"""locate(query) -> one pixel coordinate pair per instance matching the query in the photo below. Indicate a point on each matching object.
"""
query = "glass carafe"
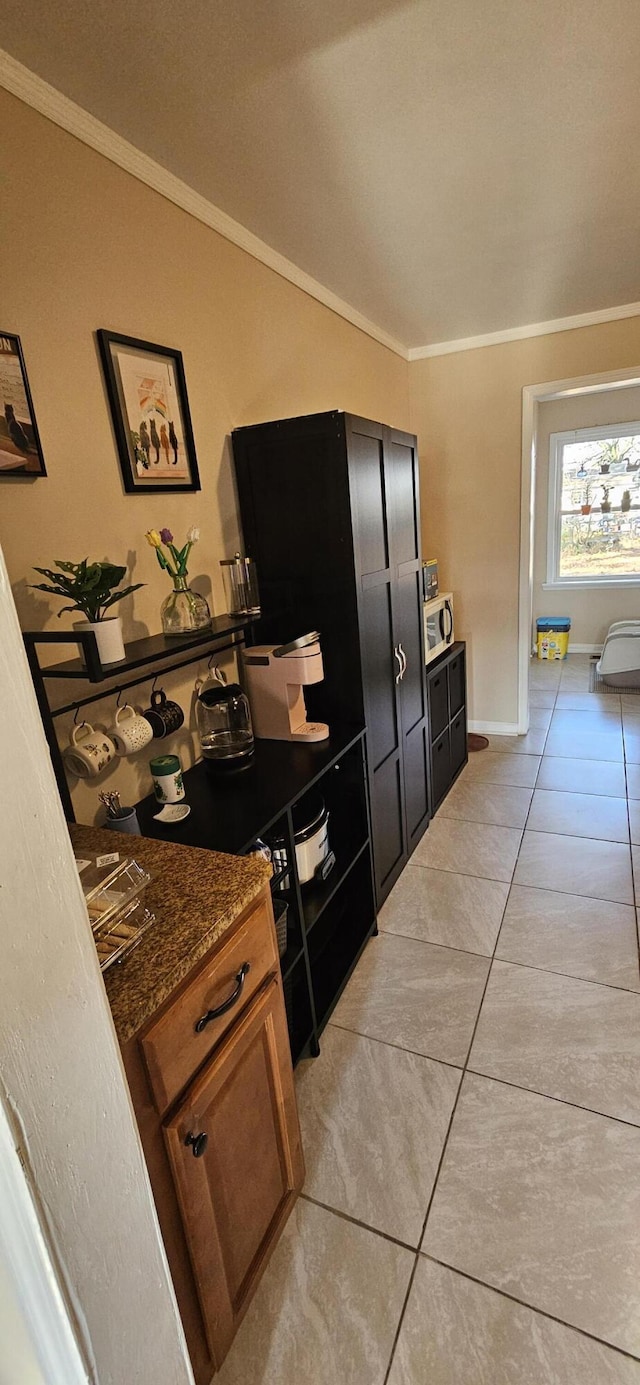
(224, 725)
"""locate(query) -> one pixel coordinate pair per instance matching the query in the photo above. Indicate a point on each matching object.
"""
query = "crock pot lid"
(308, 817)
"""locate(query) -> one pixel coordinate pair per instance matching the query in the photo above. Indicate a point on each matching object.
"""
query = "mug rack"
(225, 633)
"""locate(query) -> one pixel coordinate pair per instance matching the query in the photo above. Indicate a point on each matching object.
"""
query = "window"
(593, 535)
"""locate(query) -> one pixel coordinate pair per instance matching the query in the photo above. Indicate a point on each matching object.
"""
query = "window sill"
(574, 584)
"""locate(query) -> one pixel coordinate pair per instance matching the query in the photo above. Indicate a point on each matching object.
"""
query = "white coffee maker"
(274, 677)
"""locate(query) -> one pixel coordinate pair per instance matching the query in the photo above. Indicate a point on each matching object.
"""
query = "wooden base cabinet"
(225, 1160)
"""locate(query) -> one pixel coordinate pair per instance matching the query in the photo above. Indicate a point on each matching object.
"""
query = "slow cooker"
(314, 859)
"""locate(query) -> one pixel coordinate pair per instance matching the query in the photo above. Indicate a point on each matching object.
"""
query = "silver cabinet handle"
(400, 663)
(404, 661)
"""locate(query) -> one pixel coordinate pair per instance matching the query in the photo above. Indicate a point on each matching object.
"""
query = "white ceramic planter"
(108, 633)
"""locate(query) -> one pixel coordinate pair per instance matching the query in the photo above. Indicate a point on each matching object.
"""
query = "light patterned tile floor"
(472, 1126)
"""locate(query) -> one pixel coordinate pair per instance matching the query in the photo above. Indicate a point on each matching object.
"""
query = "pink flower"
(166, 536)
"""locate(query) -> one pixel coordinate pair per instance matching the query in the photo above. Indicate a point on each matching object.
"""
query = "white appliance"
(438, 625)
(275, 676)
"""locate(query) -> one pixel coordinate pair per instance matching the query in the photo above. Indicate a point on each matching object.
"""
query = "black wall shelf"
(154, 654)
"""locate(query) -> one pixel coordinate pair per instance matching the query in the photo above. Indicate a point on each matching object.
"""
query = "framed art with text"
(147, 394)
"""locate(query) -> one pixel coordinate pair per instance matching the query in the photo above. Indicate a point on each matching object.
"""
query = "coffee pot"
(224, 725)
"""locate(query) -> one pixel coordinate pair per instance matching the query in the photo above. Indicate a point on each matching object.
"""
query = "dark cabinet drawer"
(458, 742)
(456, 685)
(440, 768)
(438, 694)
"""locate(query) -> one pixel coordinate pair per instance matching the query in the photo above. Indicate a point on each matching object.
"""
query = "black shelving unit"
(329, 922)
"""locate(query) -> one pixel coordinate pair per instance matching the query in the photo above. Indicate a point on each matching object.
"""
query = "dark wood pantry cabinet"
(330, 512)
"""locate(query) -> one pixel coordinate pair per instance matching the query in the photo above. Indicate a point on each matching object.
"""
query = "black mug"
(164, 717)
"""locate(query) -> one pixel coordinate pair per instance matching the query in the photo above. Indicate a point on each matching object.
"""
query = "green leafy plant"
(89, 587)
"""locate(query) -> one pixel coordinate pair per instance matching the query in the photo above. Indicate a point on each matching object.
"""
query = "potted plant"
(585, 508)
(613, 452)
(605, 505)
(90, 588)
(625, 503)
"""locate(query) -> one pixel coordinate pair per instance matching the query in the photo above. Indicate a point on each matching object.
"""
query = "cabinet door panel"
(236, 1195)
(438, 702)
(402, 464)
(387, 822)
(456, 684)
(458, 733)
(440, 768)
(416, 781)
(408, 625)
(370, 502)
(379, 669)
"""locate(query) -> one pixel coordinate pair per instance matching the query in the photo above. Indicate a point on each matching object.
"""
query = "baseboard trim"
(494, 728)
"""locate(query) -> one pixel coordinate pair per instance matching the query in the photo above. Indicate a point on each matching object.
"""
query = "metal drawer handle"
(226, 1004)
(400, 664)
(198, 1143)
(404, 660)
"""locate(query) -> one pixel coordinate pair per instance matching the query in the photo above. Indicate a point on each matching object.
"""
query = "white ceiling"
(448, 167)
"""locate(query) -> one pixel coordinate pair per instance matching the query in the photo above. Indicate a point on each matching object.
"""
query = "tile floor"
(471, 1214)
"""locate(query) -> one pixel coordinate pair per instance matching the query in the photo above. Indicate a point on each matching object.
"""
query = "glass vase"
(184, 612)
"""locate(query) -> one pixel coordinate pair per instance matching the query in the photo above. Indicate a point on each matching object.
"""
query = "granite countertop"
(196, 896)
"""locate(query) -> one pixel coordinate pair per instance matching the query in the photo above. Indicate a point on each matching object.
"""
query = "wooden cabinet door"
(402, 482)
(371, 515)
(236, 1154)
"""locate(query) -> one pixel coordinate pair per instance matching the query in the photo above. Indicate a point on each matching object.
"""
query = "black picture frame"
(19, 436)
(157, 399)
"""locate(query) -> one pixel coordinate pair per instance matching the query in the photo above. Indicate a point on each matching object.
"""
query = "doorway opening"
(533, 396)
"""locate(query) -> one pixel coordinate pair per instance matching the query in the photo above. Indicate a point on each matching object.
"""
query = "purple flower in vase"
(166, 536)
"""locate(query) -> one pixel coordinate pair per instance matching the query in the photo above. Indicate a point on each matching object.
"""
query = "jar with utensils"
(163, 716)
(224, 725)
(241, 586)
(119, 819)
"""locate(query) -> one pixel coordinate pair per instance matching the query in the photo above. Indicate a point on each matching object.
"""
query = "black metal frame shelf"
(225, 632)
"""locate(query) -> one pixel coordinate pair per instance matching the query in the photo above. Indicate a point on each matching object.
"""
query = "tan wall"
(467, 411)
(84, 245)
(593, 609)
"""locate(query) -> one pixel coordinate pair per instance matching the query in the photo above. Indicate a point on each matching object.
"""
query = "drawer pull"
(226, 1004)
(198, 1143)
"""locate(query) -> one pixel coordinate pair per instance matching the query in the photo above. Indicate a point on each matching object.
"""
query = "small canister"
(166, 772)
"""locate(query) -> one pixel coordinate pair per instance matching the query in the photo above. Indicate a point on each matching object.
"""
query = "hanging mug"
(89, 751)
(164, 717)
(131, 731)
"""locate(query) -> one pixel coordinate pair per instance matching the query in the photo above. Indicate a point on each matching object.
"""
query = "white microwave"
(438, 625)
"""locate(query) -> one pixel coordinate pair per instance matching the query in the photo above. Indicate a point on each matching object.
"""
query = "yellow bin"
(553, 637)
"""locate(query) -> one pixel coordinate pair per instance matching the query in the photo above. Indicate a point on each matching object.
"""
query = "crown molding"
(534, 329)
(42, 97)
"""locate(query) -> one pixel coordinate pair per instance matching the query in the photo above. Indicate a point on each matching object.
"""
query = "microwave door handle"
(441, 620)
(450, 615)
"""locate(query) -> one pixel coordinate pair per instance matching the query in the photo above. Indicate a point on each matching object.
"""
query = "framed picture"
(148, 399)
(20, 448)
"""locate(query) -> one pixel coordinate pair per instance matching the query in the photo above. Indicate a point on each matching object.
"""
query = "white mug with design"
(132, 732)
(89, 751)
